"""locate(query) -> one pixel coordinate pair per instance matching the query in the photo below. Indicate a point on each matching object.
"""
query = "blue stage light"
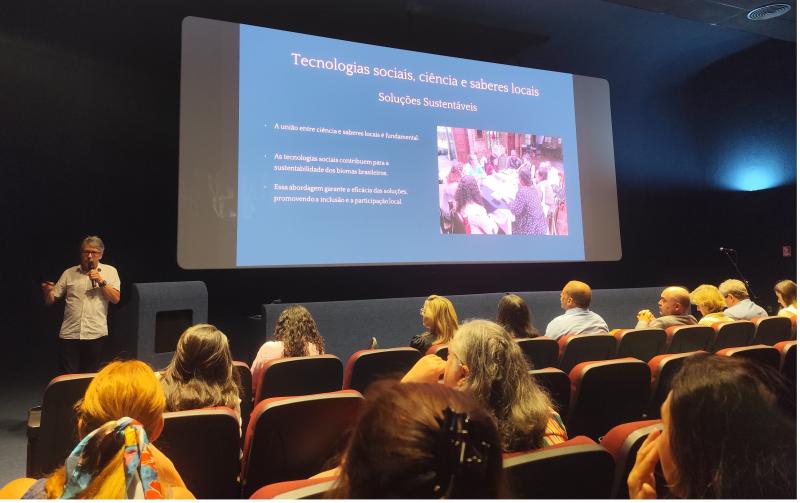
(750, 169)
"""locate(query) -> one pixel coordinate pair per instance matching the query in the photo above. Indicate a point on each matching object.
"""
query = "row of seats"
(577, 469)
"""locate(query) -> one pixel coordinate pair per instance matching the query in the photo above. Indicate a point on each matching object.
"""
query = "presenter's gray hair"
(94, 241)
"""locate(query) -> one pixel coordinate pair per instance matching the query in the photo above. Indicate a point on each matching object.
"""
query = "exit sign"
(787, 251)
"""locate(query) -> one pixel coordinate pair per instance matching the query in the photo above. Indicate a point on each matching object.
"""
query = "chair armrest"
(34, 421)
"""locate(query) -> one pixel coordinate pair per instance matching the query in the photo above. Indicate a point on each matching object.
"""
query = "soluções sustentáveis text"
(408, 100)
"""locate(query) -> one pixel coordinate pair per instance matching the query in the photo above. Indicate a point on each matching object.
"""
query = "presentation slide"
(318, 151)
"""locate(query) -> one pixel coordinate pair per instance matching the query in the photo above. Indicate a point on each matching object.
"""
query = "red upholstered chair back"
(291, 438)
(605, 394)
(576, 469)
(52, 429)
(788, 351)
(732, 334)
(662, 369)
(541, 352)
(295, 489)
(203, 445)
(301, 375)
(368, 365)
(439, 350)
(766, 355)
(688, 338)
(623, 442)
(245, 389)
(582, 348)
(557, 384)
(772, 330)
(642, 343)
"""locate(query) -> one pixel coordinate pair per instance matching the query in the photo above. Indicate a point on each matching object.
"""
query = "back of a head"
(730, 437)
(408, 444)
(296, 328)
(498, 377)
(787, 289)
(734, 287)
(120, 389)
(709, 297)
(444, 318)
(201, 372)
(513, 314)
(580, 292)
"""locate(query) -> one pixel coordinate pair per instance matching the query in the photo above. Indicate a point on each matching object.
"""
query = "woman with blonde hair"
(710, 303)
(786, 292)
(118, 418)
(296, 334)
(439, 317)
(201, 372)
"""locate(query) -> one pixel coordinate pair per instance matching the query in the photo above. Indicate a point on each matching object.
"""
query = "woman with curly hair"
(296, 334)
(470, 210)
(201, 372)
(439, 317)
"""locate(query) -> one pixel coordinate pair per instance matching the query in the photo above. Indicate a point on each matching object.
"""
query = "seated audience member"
(118, 418)
(201, 372)
(527, 206)
(786, 292)
(439, 317)
(513, 315)
(710, 304)
(421, 441)
(577, 319)
(469, 208)
(296, 334)
(484, 360)
(674, 308)
(725, 436)
(740, 307)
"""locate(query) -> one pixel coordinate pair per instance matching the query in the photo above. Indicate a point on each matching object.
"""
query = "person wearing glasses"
(87, 289)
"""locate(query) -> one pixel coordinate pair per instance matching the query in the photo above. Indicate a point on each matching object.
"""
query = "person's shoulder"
(108, 267)
(17, 488)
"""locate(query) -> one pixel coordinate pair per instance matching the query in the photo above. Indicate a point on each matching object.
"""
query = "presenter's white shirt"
(86, 309)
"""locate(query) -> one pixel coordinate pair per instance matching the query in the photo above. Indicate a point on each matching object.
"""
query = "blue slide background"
(274, 90)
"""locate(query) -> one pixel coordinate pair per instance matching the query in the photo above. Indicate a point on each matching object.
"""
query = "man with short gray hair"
(87, 289)
(740, 307)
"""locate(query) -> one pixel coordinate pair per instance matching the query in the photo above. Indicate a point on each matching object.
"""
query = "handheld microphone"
(726, 250)
(92, 266)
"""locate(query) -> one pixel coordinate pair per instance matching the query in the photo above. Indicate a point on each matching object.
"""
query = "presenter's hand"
(645, 315)
(95, 276)
(428, 369)
(47, 287)
(642, 480)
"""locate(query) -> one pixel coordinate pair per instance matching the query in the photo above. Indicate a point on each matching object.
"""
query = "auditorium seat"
(771, 330)
(541, 352)
(732, 334)
(557, 384)
(439, 350)
(245, 390)
(663, 369)
(52, 427)
(203, 445)
(766, 355)
(641, 343)
(295, 489)
(623, 442)
(688, 338)
(576, 469)
(291, 438)
(788, 351)
(574, 349)
(605, 394)
(368, 365)
(301, 375)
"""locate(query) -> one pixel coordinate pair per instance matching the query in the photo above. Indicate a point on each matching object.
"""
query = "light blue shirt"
(745, 310)
(576, 321)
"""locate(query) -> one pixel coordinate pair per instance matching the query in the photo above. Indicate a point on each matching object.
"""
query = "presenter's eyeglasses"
(90, 252)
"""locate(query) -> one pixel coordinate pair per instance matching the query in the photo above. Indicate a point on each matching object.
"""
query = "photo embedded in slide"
(497, 182)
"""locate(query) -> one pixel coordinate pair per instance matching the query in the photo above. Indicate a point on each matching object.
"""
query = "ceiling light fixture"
(768, 11)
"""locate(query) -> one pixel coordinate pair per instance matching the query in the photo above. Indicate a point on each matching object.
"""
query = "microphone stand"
(741, 276)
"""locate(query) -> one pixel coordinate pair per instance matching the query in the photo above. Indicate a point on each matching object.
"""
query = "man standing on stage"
(87, 288)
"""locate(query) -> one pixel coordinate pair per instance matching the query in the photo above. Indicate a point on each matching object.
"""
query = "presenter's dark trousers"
(78, 356)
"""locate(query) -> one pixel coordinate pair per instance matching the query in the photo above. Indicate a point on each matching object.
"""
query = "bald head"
(674, 300)
(576, 294)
